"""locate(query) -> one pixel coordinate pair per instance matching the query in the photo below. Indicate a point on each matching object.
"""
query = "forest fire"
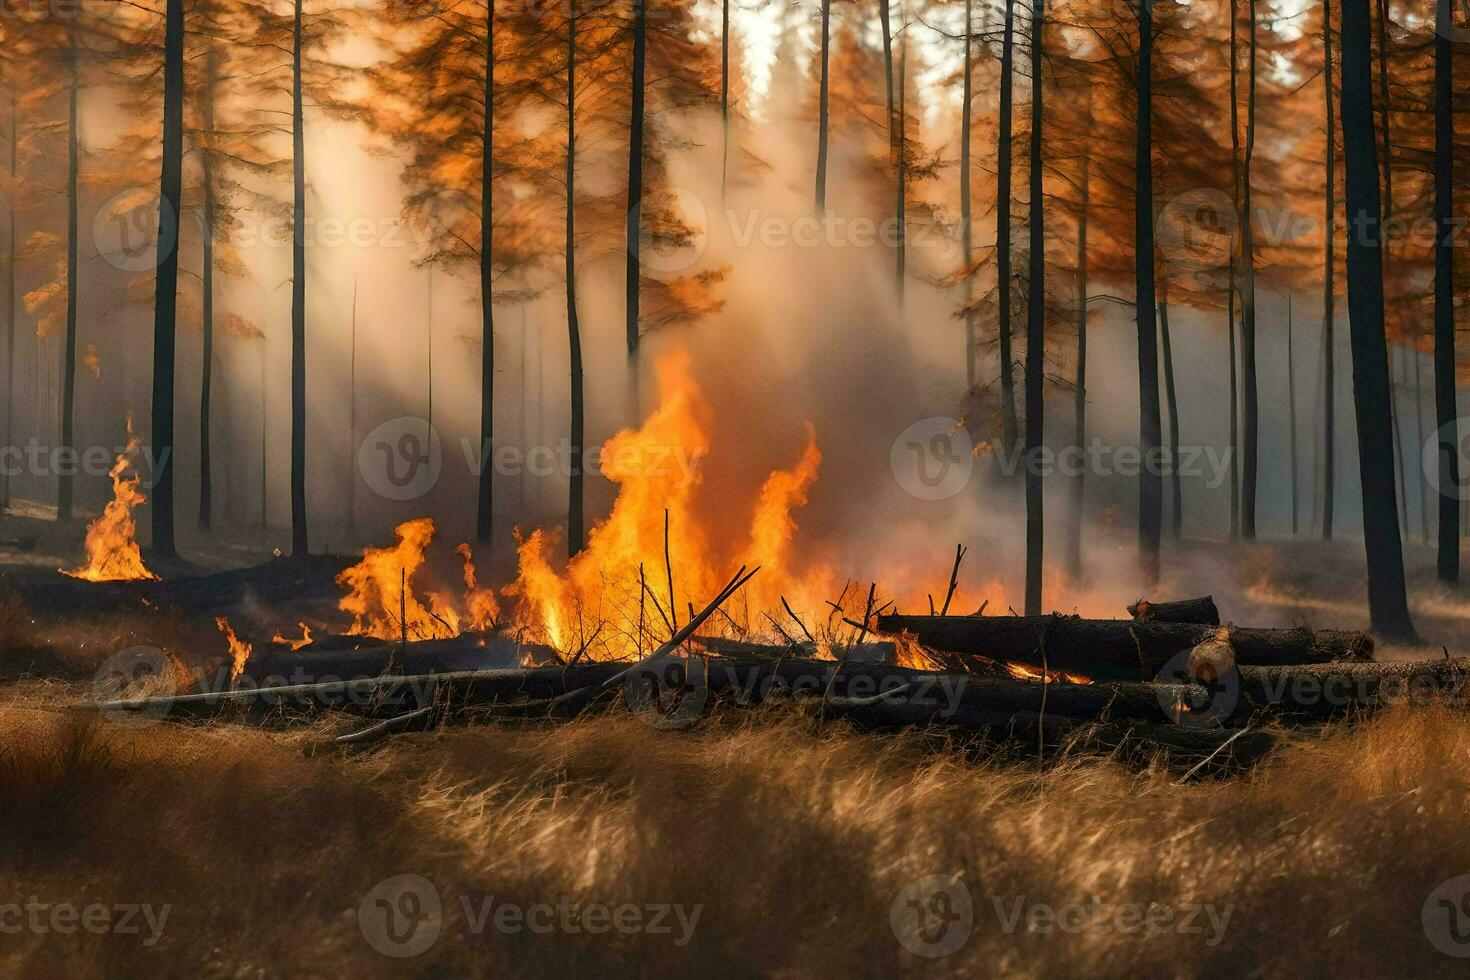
(113, 554)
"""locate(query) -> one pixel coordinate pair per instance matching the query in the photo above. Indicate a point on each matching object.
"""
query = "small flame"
(239, 650)
(286, 641)
(91, 361)
(479, 601)
(112, 543)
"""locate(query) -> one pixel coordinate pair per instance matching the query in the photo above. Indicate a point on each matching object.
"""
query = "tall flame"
(112, 543)
(479, 600)
(380, 593)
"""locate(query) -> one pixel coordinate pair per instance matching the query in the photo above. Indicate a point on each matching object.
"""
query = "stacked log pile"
(1169, 680)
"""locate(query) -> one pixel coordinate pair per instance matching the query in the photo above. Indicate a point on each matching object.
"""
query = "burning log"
(1114, 647)
(884, 652)
(1202, 611)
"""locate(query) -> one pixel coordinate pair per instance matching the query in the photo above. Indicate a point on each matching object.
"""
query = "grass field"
(757, 843)
(754, 845)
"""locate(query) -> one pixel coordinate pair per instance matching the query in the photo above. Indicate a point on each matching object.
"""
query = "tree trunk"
(1035, 325)
(1176, 490)
(1291, 417)
(1421, 479)
(11, 259)
(1387, 603)
(352, 424)
(66, 477)
(1386, 132)
(484, 510)
(967, 242)
(725, 92)
(634, 232)
(1234, 448)
(1329, 298)
(1108, 646)
(901, 159)
(1250, 397)
(299, 544)
(895, 133)
(1445, 411)
(575, 533)
(1234, 291)
(166, 281)
(206, 365)
(822, 109)
(1079, 391)
(1008, 427)
(1150, 480)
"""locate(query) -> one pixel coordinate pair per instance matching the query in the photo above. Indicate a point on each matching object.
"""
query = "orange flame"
(479, 601)
(1026, 672)
(286, 641)
(380, 593)
(112, 544)
(239, 650)
(656, 467)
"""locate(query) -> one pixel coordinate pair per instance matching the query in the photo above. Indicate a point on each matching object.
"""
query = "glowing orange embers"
(112, 539)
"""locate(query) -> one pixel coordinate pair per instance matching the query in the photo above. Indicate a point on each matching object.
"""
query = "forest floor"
(757, 843)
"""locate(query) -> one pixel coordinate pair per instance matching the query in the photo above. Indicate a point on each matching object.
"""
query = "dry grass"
(795, 841)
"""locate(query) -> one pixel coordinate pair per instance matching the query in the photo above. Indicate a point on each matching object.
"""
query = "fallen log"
(347, 657)
(1202, 611)
(1118, 647)
(1327, 690)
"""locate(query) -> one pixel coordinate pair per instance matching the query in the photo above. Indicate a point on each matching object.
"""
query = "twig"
(669, 570)
(385, 727)
(875, 699)
(1205, 761)
(954, 579)
(793, 615)
(784, 635)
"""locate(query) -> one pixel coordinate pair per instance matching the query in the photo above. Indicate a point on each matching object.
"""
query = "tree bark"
(1035, 324)
(1176, 489)
(166, 281)
(895, 134)
(1445, 410)
(1009, 433)
(10, 263)
(484, 499)
(1291, 417)
(634, 231)
(1250, 394)
(1329, 296)
(575, 533)
(66, 479)
(1150, 481)
(206, 365)
(823, 110)
(1100, 647)
(1387, 602)
(1079, 391)
(967, 241)
(725, 91)
(299, 537)
(1202, 610)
